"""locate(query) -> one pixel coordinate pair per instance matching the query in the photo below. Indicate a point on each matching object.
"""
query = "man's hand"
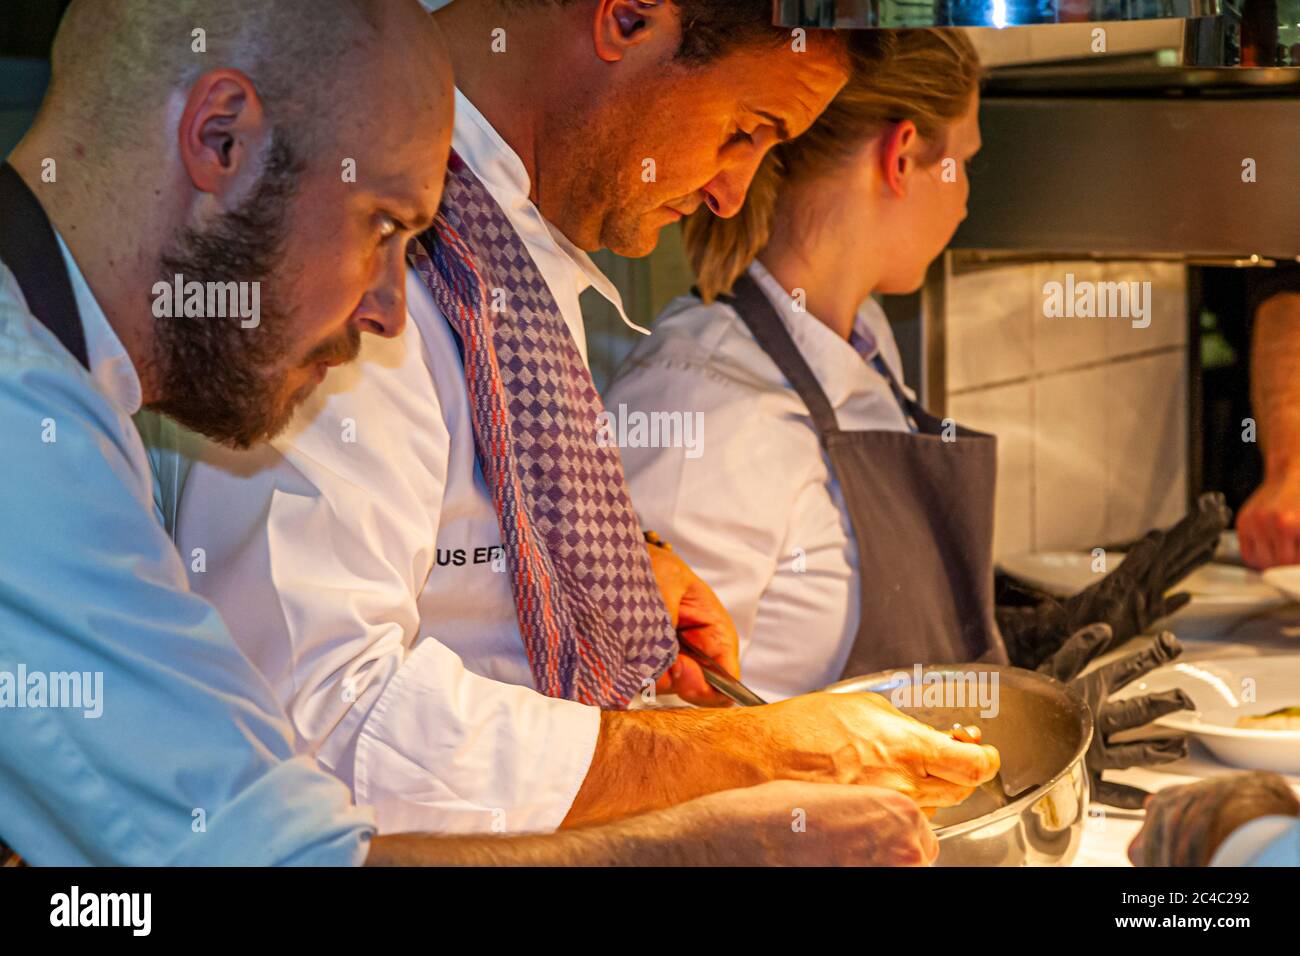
(701, 621)
(652, 759)
(801, 824)
(1185, 825)
(1268, 525)
(863, 739)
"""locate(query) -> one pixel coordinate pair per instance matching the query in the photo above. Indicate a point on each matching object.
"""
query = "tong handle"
(720, 680)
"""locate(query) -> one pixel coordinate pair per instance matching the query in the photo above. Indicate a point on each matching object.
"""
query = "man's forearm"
(650, 759)
(1275, 380)
(646, 841)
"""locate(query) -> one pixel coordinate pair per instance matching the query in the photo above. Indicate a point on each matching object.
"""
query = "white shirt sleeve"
(317, 552)
(152, 741)
(1265, 841)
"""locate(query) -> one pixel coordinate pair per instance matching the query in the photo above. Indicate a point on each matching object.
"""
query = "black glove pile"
(1112, 717)
(1130, 599)
(1060, 637)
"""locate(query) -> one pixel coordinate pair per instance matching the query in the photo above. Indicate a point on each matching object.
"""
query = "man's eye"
(387, 227)
(741, 137)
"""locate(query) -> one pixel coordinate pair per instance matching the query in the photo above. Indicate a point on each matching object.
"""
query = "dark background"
(27, 26)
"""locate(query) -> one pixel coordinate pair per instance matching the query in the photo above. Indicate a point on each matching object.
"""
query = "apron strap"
(908, 407)
(29, 248)
(761, 318)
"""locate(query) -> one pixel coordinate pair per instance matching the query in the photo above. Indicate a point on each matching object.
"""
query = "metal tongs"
(720, 680)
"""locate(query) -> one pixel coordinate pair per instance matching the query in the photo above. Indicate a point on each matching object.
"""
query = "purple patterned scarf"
(590, 613)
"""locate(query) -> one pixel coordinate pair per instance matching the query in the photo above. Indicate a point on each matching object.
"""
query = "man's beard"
(589, 206)
(218, 378)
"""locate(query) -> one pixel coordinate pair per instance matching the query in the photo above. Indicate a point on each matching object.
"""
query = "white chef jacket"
(354, 562)
(184, 730)
(757, 512)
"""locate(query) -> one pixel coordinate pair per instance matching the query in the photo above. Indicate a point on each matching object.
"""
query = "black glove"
(1131, 598)
(1110, 717)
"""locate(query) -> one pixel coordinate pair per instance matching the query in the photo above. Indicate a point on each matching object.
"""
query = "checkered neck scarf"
(592, 618)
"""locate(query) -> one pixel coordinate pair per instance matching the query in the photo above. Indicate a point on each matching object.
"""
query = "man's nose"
(725, 193)
(383, 310)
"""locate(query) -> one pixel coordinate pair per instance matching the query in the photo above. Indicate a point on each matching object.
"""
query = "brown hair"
(926, 76)
(711, 28)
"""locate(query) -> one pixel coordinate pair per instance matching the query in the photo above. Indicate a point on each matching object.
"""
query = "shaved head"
(286, 148)
(117, 62)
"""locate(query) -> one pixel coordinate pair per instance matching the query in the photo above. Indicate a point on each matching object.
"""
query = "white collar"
(111, 367)
(811, 333)
(502, 171)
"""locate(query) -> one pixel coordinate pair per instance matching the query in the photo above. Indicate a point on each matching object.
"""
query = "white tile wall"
(1070, 459)
(997, 307)
(1146, 416)
(1061, 343)
(1006, 411)
(1091, 413)
(1168, 308)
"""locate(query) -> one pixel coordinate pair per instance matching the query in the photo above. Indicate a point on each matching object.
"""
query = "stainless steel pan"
(1042, 730)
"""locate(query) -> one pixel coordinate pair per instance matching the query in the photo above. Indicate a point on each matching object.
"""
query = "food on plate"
(1284, 718)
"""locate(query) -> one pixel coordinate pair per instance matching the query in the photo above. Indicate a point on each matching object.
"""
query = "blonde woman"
(845, 528)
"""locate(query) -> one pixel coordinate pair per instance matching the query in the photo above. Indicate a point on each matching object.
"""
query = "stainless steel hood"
(1188, 153)
(850, 14)
(1138, 158)
(1185, 178)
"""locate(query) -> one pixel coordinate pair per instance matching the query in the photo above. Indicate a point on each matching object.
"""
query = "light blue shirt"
(189, 760)
(1264, 841)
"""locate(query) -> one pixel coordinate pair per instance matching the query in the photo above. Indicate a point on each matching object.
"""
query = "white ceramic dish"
(1223, 595)
(1286, 578)
(1224, 690)
(1068, 572)
(1229, 550)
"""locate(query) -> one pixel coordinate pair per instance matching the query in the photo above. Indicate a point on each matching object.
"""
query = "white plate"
(1224, 690)
(1224, 597)
(1068, 572)
(1286, 578)
(1229, 549)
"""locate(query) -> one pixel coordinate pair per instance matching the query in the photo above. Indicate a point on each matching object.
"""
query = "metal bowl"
(1042, 730)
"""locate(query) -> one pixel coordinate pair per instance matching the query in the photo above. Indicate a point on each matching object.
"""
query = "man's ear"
(898, 148)
(621, 25)
(223, 134)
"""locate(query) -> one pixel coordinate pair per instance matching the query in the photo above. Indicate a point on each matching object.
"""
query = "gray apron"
(921, 508)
